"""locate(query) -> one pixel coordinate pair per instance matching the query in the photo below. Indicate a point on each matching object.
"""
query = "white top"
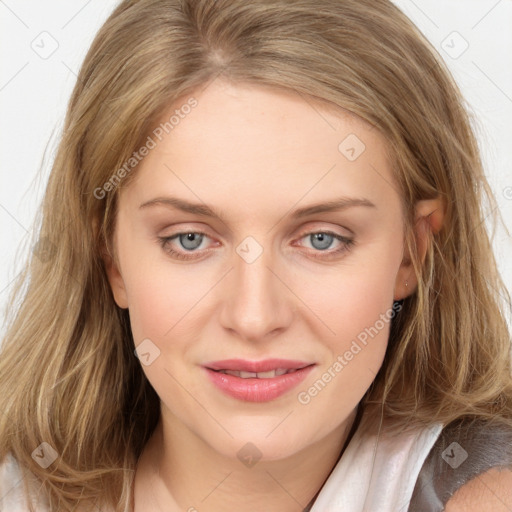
(378, 470)
(376, 473)
(12, 498)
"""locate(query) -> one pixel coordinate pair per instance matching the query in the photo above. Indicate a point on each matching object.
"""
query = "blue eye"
(190, 241)
(322, 240)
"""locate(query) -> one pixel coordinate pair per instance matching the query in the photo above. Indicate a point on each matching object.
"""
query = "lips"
(256, 375)
(266, 365)
(257, 381)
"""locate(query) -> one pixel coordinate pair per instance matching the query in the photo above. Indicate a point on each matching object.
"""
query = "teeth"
(247, 375)
(270, 374)
(261, 375)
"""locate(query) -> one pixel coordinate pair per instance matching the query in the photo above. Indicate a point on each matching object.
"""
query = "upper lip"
(256, 366)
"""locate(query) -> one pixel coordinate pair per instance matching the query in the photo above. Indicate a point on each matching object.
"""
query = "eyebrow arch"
(338, 204)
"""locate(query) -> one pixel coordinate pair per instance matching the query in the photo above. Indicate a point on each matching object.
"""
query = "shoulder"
(489, 492)
(15, 481)
(10, 475)
(468, 468)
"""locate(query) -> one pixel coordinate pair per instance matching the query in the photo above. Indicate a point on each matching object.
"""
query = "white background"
(35, 88)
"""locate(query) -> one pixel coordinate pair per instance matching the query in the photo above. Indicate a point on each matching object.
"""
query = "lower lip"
(257, 390)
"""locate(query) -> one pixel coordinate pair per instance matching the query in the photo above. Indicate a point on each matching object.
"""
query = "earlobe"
(429, 218)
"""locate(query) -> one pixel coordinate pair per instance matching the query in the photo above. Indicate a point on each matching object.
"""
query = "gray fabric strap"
(464, 449)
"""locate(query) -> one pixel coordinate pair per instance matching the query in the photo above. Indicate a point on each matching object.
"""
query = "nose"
(256, 302)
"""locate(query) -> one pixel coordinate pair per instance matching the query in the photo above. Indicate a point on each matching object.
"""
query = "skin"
(256, 154)
(489, 492)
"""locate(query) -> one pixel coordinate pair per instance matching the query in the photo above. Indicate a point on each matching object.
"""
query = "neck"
(182, 473)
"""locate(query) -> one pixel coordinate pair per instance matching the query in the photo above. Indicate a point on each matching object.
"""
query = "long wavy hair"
(68, 374)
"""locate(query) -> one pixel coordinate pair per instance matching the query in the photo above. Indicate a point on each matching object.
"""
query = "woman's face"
(271, 272)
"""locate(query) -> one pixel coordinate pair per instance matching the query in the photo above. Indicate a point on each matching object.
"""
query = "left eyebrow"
(341, 203)
(338, 204)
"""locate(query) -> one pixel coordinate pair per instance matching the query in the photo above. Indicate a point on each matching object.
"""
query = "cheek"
(357, 308)
(354, 295)
(161, 301)
(160, 293)
(164, 296)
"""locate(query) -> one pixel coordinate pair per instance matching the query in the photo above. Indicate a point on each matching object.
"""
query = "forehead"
(263, 147)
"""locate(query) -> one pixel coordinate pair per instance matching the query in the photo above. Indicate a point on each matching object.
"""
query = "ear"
(115, 277)
(429, 217)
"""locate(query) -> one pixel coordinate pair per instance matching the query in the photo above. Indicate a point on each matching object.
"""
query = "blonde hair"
(68, 375)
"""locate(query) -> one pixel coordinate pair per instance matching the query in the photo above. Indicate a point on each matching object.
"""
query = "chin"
(261, 444)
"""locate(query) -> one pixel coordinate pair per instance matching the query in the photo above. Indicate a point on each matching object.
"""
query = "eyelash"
(347, 244)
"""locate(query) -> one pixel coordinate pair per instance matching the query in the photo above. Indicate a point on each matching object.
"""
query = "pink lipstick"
(257, 381)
